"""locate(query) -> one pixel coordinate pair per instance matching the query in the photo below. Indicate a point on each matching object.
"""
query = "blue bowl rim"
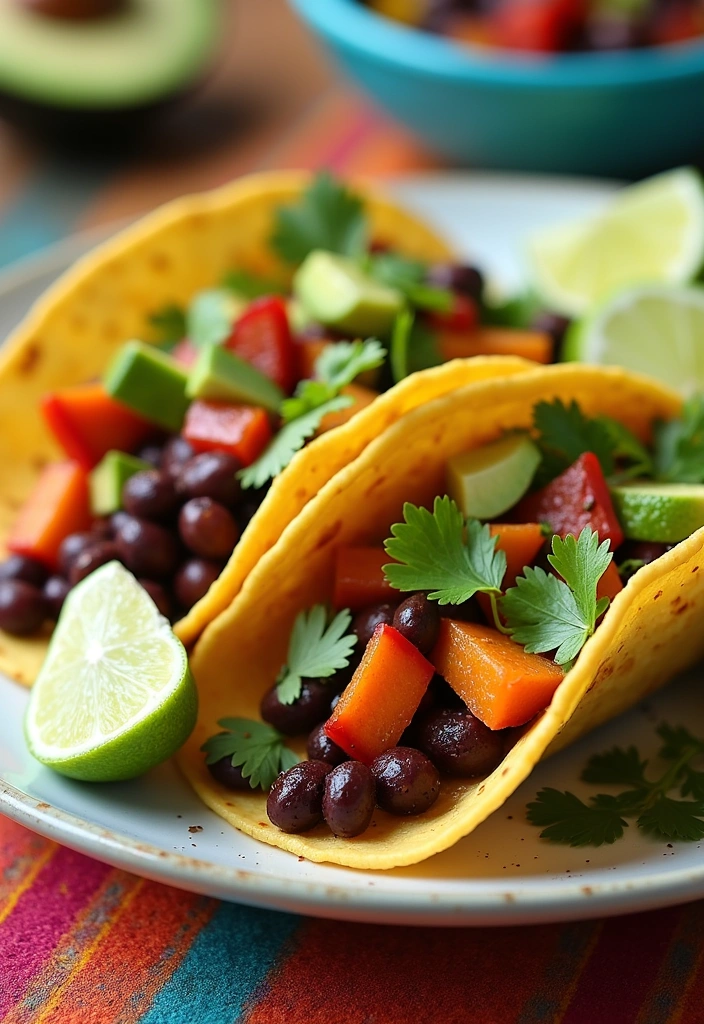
(348, 24)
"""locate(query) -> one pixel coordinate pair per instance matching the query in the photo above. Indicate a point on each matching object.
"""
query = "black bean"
(117, 519)
(146, 548)
(102, 529)
(71, 547)
(321, 748)
(55, 592)
(22, 607)
(295, 801)
(224, 772)
(309, 708)
(418, 620)
(407, 782)
(150, 494)
(348, 799)
(457, 278)
(365, 621)
(151, 453)
(459, 744)
(211, 475)
(207, 528)
(159, 596)
(176, 453)
(20, 567)
(194, 579)
(552, 324)
(91, 558)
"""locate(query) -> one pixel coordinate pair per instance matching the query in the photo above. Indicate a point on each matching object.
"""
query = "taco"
(84, 411)
(549, 529)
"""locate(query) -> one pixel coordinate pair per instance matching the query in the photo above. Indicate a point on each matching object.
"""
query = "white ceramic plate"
(501, 874)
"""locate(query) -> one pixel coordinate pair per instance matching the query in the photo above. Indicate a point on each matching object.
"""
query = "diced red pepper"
(184, 353)
(464, 315)
(540, 26)
(57, 506)
(87, 423)
(359, 579)
(262, 336)
(577, 498)
(499, 682)
(240, 430)
(383, 695)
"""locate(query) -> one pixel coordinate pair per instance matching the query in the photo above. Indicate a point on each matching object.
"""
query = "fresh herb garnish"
(210, 317)
(409, 277)
(169, 325)
(252, 286)
(328, 216)
(335, 368)
(254, 747)
(400, 338)
(413, 346)
(435, 551)
(316, 649)
(565, 818)
(545, 613)
(679, 445)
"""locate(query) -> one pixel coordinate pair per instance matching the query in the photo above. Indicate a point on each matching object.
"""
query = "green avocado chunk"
(220, 375)
(335, 292)
(488, 481)
(108, 478)
(664, 513)
(150, 382)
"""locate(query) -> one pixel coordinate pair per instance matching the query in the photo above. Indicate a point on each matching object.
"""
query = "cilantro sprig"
(328, 216)
(545, 613)
(254, 747)
(679, 445)
(438, 552)
(316, 650)
(409, 277)
(335, 368)
(168, 325)
(564, 818)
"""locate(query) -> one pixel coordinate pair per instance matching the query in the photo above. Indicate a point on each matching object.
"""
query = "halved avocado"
(137, 55)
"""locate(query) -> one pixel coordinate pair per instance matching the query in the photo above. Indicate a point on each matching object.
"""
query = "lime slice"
(653, 330)
(652, 232)
(664, 513)
(115, 695)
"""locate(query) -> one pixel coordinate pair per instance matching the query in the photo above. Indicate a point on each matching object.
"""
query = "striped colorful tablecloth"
(82, 943)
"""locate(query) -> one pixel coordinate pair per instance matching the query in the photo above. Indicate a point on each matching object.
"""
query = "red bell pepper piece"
(262, 336)
(379, 702)
(87, 423)
(57, 506)
(241, 430)
(359, 580)
(577, 498)
(463, 316)
(540, 26)
(610, 583)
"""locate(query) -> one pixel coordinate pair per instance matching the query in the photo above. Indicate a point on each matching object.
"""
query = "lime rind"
(650, 232)
(115, 695)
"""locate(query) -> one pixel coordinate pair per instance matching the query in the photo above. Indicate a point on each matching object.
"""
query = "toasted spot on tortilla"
(30, 358)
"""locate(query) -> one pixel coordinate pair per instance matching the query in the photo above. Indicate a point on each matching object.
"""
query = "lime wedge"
(652, 232)
(115, 695)
(653, 330)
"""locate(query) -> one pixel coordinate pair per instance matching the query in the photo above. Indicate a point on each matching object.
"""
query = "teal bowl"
(625, 114)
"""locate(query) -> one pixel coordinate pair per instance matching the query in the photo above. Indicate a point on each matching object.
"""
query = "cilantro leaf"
(328, 216)
(673, 819)
(316, 650)
(677, 742)
(565, 818)
(252, 286)
(433, 554)
(679, 445)
(400, 339)
(409, 277)
(565, 433)
(544, 613)
(693, 784)
(210, 317)
(169, 325)
(309, 395)
(254, 747)
(339, 364)
(615, 767)
(627, 448)
(290, 439)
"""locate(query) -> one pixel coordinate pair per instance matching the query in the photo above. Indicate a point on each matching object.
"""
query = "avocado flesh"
(131, 58)
(662, 513)
(221, 376)
(488, 481)
(335, 292)
(108, 478)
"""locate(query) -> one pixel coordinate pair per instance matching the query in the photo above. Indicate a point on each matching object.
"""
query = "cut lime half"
(654, 330)
(115, 695)
(652, 232)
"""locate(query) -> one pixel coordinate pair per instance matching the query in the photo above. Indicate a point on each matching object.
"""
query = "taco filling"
(444, 642)
(169, 454)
